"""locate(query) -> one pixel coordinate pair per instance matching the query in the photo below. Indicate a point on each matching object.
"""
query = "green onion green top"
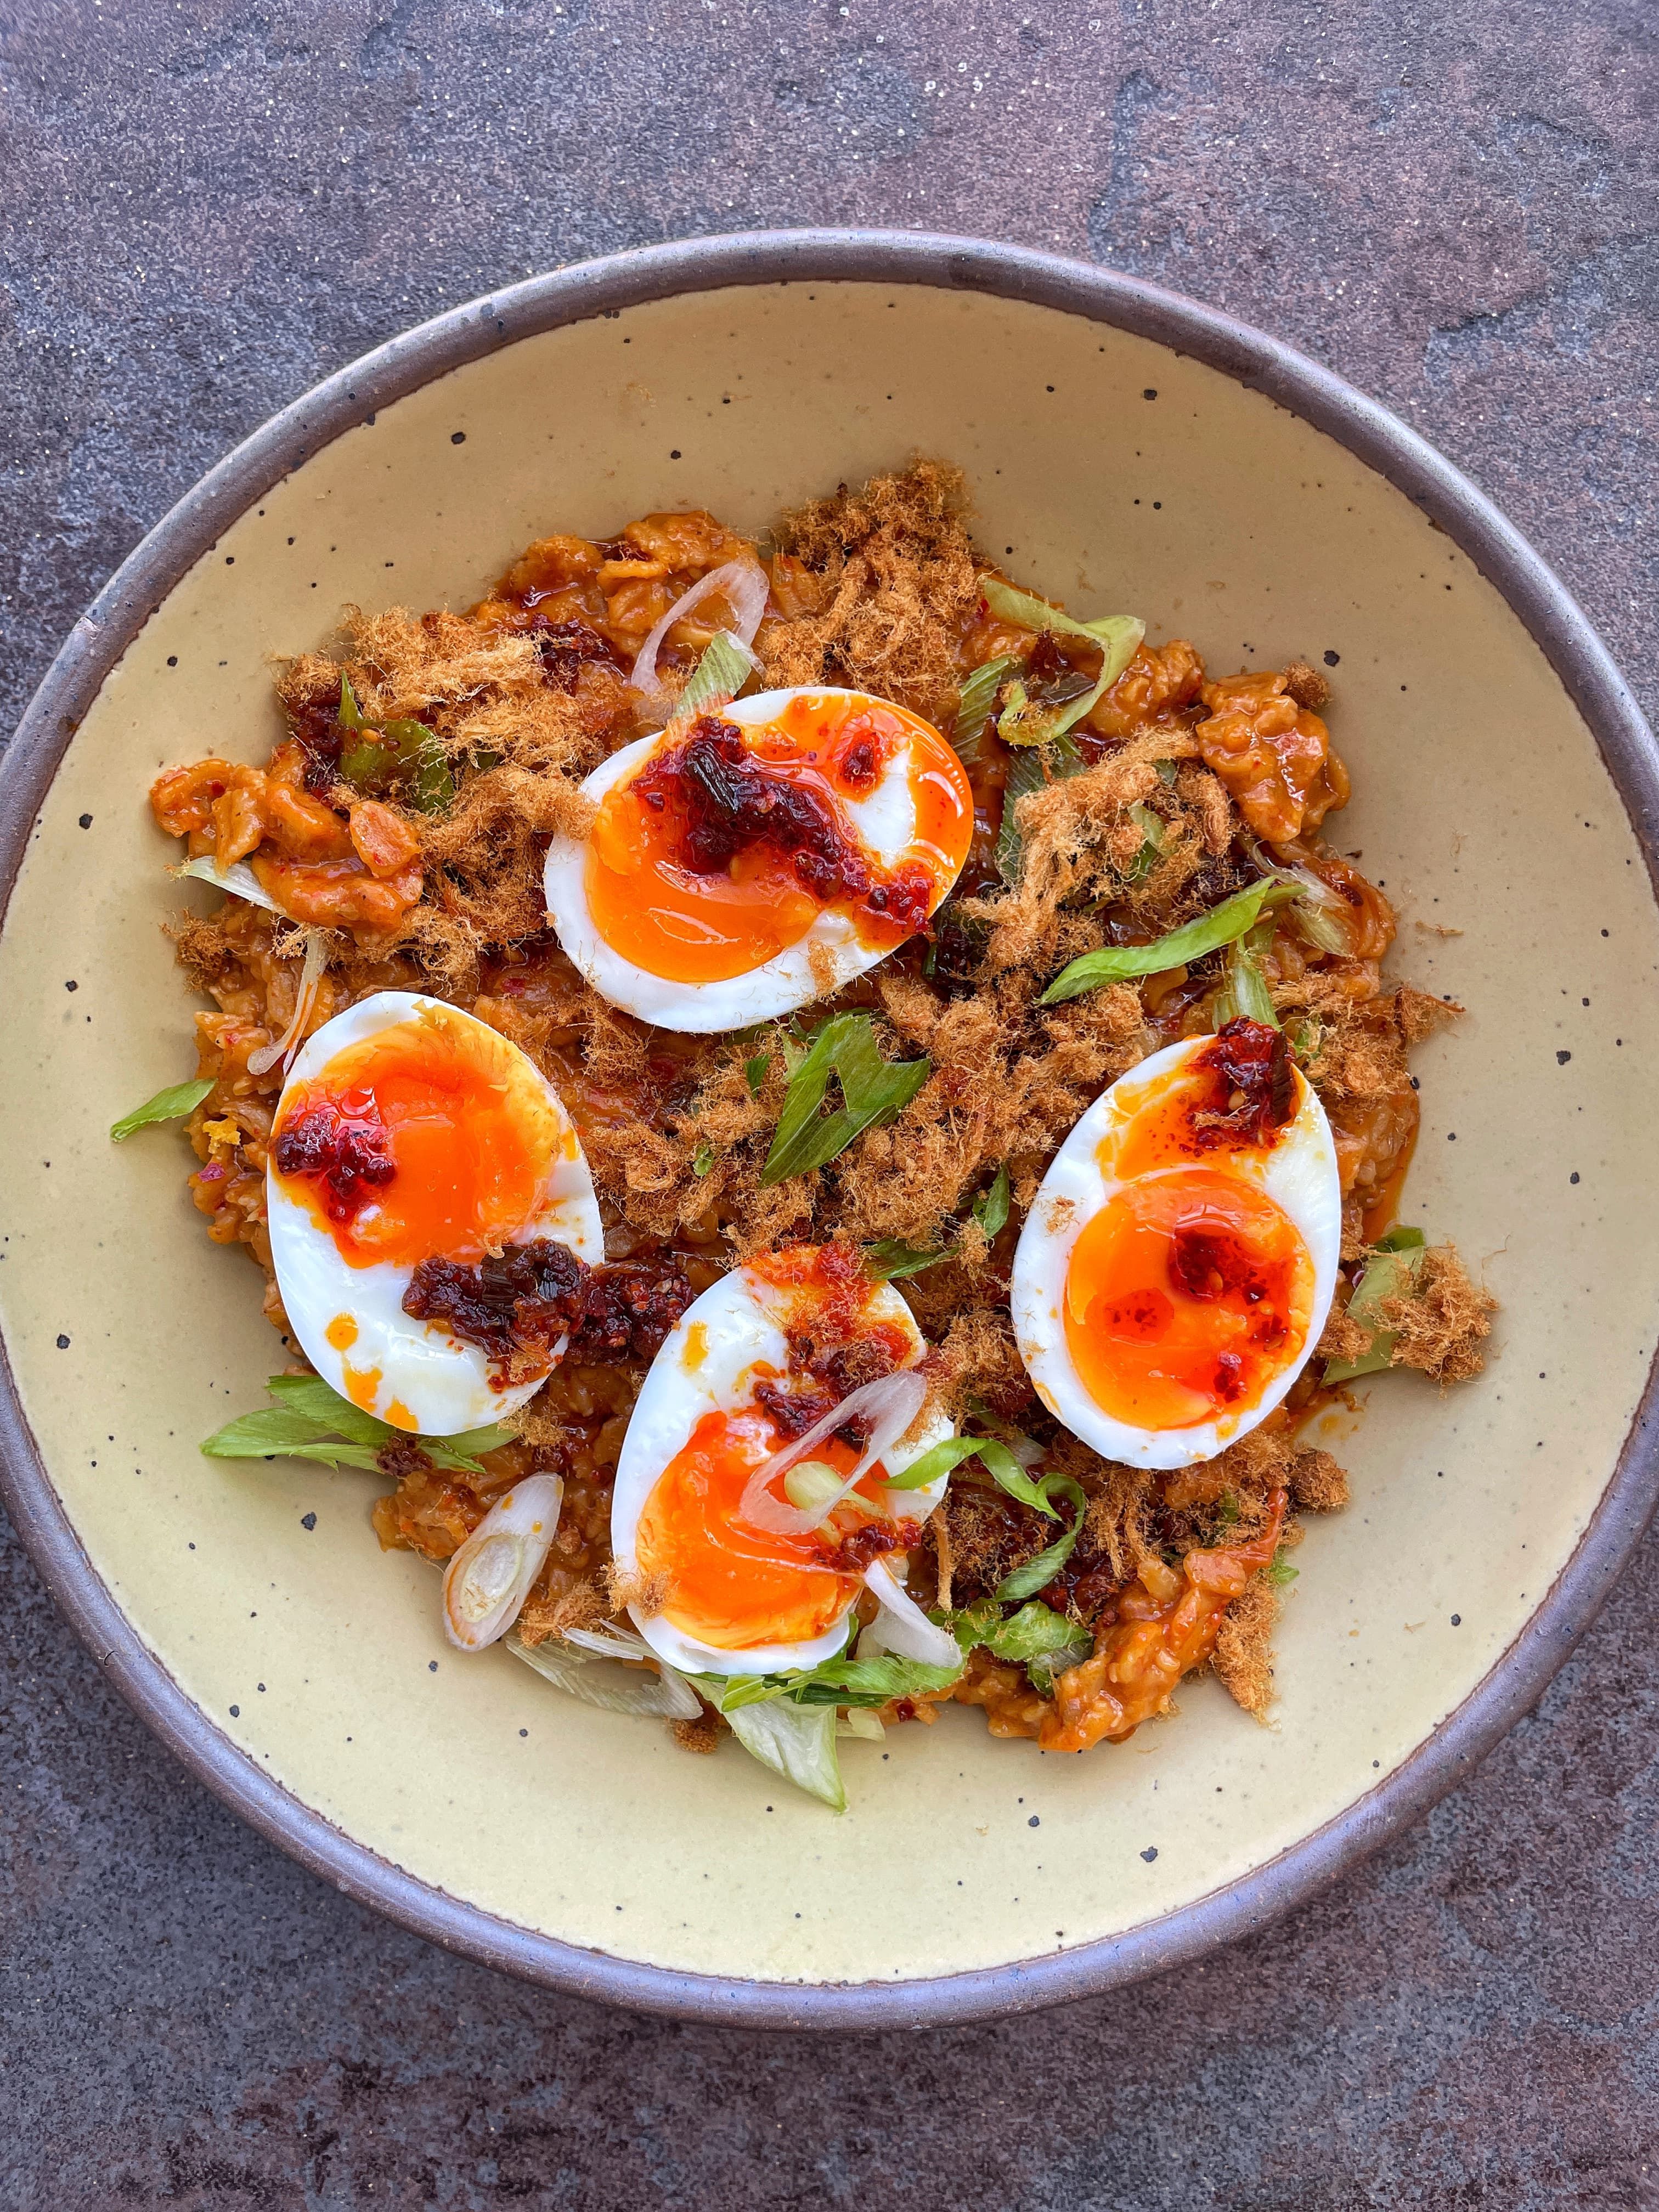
(169, 1105)
(310, 1416)
(1117, 963)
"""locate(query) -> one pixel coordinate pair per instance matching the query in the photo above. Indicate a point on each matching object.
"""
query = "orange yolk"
(696, 882)
(433, 1139)
(730, 1584)
(1186, 1296)
(1159, 1128)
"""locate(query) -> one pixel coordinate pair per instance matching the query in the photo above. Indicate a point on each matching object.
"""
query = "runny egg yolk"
(722, 850)
(433, 1138)
(1186, 1296)
(728, 1583)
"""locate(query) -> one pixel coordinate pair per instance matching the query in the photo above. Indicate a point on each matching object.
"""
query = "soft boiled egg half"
(761, 858)
(410, 1133)
(1178, 1265)
(730, 1518)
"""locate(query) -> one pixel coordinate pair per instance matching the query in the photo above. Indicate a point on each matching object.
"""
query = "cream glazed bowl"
(1129, 448)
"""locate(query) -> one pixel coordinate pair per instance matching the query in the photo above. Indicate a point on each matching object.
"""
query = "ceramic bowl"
(1125, 449)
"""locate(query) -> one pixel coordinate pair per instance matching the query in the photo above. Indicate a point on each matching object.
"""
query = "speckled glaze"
(1126, 451)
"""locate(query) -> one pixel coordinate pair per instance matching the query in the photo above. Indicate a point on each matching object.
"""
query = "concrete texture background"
(207, 204)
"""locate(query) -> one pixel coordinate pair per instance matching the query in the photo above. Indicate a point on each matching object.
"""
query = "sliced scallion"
(238, 879)
(887, 1262)
(725, 667)
(169, 1105)
(1242, 993)
(1391, 1272)
(1151, 828)
(978, 696)
(1117, 963)
(1027, 722)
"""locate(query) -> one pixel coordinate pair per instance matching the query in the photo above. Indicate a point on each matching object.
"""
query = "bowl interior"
(1110, 471)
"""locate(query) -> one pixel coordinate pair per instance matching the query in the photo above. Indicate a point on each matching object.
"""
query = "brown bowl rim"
(604, 286)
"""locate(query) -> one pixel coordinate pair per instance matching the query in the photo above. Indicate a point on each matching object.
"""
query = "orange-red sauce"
(715, 857)
(433, 1139)
(1186, 1296)
(1200, 1112)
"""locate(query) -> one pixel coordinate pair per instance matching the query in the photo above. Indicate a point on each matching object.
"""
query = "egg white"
(1300, 1175)
(828, 956)
(444, 1384)
(706, 1365)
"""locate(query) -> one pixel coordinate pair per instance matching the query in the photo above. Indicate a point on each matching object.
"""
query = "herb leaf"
(1039, 1493)
(990, 1208)
(1116, 964)
(275, 1431)
(703, 1158)
(308, 1411)
(386, 751)
(886, 1261)
(841, 1681)
(1042, 1641)
(167, 1105)
(847, 1682)
(333, 1415)
(1037, 1573)
(1279, 1570)
(874, 1090)
(1035, 1628)
(1391, 1272)
(754, 1073)
(1009, 1475)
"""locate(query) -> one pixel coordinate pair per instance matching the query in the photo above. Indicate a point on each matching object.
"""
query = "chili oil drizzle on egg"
(760, 859)
(1178, 1265)
(411, 1138)
(717, 1516)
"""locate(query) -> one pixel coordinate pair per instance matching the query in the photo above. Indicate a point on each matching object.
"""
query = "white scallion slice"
(609, 1683)
(741, 584)
(901, 1626)
(487, 1580)
(311, 975)
(859, 1721)
(890, 1406)
(238, 879)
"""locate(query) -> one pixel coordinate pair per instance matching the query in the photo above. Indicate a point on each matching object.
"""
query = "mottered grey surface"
(207, 204)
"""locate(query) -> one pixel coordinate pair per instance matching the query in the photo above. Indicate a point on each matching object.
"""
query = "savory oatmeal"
(823, 1123)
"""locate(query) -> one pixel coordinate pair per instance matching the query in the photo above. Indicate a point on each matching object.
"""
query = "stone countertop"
(209, 206)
